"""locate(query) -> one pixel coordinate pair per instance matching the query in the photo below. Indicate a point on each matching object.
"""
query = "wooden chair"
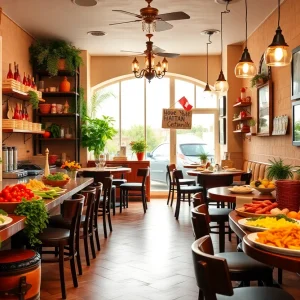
(245, 179)
(182, 190)
(227, 163)
(216, 215)
(139, 189)
(241, 266)
(214, 278)
(172, 183)
(65, 240)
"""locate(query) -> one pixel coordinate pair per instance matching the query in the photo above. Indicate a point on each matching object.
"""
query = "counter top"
(73, 187)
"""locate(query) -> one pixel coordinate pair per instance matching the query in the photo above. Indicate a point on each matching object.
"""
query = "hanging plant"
(33, 99)
(36, 218)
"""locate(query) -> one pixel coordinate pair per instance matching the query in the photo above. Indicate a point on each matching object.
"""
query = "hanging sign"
(176, 118)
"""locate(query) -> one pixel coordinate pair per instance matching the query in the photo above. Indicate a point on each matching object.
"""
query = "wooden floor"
(147, 256)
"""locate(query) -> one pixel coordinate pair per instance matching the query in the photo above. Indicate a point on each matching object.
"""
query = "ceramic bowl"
(265, 190)
(55, 183)
(45, 108)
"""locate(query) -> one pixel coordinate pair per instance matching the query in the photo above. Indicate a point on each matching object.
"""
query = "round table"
(222, 194)
(112, 170)
(222, 173)
(289, 263)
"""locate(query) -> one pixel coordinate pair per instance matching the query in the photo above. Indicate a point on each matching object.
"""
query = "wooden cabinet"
(131, 177)
(241, 125)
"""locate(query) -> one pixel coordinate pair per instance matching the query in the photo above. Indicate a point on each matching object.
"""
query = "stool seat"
(217, 213)
(185, 181)
(54, 234)
(118, 182)
(190, 189)
(131, 185)
(257, 293)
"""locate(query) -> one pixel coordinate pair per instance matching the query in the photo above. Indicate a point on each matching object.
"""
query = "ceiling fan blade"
(157, 49)
(178, 15)
(127, 13)
(125, 22)
(162, 26)
(138, 53)
(170, 55)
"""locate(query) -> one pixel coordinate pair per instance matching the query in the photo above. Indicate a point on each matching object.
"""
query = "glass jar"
(53, 108)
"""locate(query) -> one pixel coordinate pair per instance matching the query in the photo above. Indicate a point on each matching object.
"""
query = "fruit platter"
(243, 189)
(263, 223)
(264, 186)
(259, 208)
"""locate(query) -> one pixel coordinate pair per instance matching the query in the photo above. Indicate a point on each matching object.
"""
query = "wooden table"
(73, 187)
(222, 173)
(289, 263)
(194, 166)
(222, 194)
(112, 170)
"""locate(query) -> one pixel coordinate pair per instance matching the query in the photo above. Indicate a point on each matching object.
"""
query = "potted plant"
(47, 55)
(278, 170)
(259, 79)
(96, 132)
(203, 157)
(139, 148)
(252, 124)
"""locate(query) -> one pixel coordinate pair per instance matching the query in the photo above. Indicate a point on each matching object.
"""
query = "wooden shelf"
(58, 115)
(7, 130)
(59, 73)
(17, 94)
(242, 104)
(57, 139)
(242, 119)
(60, 94)
(250, 134)
(241, 131)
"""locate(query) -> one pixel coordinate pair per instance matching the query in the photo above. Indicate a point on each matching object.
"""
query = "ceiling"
(64, 20)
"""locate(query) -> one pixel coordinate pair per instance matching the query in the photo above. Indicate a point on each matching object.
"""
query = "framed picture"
(265, 109)
(222, 131)
(263, 68)
(222, 106)
(295, 77)
(296, 123)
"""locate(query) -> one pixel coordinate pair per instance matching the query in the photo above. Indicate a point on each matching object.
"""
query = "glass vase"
(72, 174)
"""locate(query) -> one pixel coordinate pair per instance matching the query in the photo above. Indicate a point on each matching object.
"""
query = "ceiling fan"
(151, 71)
(151, 20)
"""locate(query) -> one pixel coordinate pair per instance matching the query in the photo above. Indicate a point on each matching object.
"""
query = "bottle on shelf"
(26, 114)
(25, 79)
(47, 169)
(18, 74)
(16, 114)
(28, 80)
(33, 85)
(10, 74)
(15, 71)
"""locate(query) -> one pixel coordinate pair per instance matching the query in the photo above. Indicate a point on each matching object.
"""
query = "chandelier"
(150, 71)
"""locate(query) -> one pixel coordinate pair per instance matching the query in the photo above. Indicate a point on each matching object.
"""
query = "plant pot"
(140, 156)
(287, 194)
(61, 65)
(253, 129)
(72, 174)
(203, 161)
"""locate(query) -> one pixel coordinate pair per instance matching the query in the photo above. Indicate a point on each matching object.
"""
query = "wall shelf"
(57, 115)
(60, 94)
(58, 139)
(241, 131)
(242, 104)
(11, 130)
(242, 119)
(59, 73)
(17, 94)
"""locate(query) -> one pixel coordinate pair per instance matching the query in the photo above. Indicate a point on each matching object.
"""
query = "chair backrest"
(107, 186)
(177, 175)
(227, 163)
(200, 221)
(212, 274)
(198, 199)
(144, 173)
(90, 194)
(98, 176)
(246, 177)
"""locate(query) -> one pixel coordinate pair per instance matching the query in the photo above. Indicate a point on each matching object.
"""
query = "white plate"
(206, 171)
(7, 220)
(235, 170)
(242, 222)
(285, 251)
(240, 192)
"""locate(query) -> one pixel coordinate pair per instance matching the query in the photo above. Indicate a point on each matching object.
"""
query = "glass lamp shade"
(158, 68)
(245, 69)
(221, 85)
(135, 65)
(278, 56)
(165, 64)
(207, 90)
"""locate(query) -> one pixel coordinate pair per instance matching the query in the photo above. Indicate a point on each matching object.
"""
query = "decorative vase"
(140, 155)
(72, 174)
(203, 161)
(65, 85)
(253, 129)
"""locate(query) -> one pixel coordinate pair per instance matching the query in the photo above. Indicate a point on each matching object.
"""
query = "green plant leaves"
(278, 170)
(33, 99)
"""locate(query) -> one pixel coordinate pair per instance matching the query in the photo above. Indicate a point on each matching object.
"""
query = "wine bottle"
(16, 114)
(26, 114)
(33, 85)
(18, 74)
(10, 74)
(15, 73)
(28, 80)
(24, 79)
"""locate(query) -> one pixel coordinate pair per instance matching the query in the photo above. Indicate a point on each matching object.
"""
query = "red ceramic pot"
(140, 155)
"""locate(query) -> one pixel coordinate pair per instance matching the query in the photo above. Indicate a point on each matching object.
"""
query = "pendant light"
(245, 68)
(278, 54)
(209, 32)
(221, 85)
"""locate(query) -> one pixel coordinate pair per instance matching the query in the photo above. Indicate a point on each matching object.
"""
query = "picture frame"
(295, 76)
(222, 131)
(264, 68)
(265, 109)
(296, 123)
(222, 106)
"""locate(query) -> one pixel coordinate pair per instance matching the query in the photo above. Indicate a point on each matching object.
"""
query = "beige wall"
(264, 148)
(104, 68)
(15, 44)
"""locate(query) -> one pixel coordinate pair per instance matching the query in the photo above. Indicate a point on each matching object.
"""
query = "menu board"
(176, 118)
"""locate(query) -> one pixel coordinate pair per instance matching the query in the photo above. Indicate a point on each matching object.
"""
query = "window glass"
(203, 101)
(184, 89)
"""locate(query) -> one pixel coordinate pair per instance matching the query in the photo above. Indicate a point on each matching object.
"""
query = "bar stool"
(64, 240)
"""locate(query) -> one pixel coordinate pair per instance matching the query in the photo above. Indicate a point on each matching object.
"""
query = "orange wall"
(15, 43)
(264, 148)
(108, 67)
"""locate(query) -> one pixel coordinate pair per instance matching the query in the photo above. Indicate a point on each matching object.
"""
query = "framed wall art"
(265, 109)
(222, 106)
(296, 123)
(295, 76)
(222, 131)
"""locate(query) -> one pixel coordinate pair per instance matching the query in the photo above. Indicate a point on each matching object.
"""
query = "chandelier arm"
(139, 74)
(159, 76)
(246, 6)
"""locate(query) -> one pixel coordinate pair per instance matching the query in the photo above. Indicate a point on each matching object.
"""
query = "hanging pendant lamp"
(278, 54)
(245, 68)
(221, 85)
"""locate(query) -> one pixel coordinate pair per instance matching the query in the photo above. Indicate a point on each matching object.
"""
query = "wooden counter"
(131, 177)
(73, 187)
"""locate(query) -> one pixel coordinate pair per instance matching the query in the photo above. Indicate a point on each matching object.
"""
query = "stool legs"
(61, 271)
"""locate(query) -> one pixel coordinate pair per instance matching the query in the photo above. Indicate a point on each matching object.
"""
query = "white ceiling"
(64, 20)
